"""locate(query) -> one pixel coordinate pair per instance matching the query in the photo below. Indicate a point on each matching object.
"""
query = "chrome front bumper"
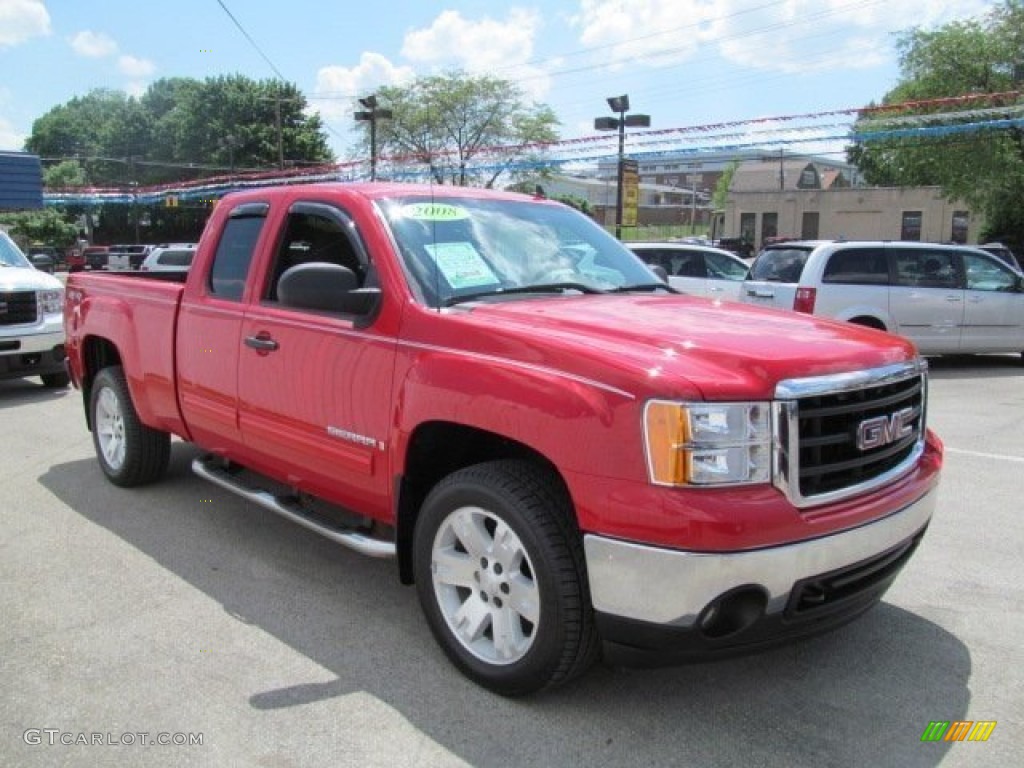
(671, 587)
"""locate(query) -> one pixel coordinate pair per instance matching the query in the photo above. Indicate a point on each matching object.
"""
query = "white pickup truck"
(31, 325)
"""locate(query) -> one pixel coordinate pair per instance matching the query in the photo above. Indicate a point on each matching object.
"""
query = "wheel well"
(869, 322)
(436, 449)
(97, 354)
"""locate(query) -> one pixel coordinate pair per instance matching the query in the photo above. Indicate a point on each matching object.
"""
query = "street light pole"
(372, 114)
(620, 105)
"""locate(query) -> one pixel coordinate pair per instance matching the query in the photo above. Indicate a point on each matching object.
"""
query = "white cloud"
(10, 138)
(789, 36)
(21, 20)
(93, 45)
(477, 46)
(337, 87)
(500, 48)
(135, 67)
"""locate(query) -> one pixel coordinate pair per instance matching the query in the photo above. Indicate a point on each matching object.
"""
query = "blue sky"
(684, 62)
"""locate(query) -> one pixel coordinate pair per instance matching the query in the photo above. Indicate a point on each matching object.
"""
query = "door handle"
(761, 293)
(953, 298)
(261, 343)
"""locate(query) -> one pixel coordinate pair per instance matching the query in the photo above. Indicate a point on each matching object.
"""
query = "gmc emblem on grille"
(882, 430)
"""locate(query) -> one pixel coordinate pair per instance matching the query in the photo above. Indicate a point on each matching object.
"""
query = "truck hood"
(27, 279)
(676, 346)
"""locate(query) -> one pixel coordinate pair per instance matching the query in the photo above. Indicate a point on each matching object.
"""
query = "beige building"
(817, 203)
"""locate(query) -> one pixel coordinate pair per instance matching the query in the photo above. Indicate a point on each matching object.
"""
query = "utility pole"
(277, 121)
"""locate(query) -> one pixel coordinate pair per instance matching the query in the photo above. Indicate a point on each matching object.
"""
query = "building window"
(809, 225)
(748, 224)
(769, 226)
(959, 229)
(911, 227)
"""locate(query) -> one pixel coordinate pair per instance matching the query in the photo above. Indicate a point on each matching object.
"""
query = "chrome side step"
(207, 468)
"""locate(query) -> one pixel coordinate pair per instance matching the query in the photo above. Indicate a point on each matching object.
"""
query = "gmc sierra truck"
(567, 458)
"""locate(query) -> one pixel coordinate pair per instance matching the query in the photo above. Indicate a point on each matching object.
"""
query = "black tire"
(538, 573)
(129, 452)
(55, 380)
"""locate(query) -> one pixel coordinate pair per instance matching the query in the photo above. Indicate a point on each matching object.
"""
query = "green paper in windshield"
(435, 212)
(462, 265)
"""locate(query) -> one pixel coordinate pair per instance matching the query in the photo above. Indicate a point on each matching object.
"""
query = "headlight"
(51, 302)
(707, 443)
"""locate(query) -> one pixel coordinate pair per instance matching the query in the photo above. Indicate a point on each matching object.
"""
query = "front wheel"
(129, 452)
(500, 575)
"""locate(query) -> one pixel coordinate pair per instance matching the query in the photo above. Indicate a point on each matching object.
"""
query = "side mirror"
(325, 286)
(660, 271)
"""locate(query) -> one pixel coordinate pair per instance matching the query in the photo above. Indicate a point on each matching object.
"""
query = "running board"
(206, 467)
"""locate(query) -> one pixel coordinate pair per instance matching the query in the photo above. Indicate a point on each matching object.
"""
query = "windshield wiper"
(539, 288)
(644, 287)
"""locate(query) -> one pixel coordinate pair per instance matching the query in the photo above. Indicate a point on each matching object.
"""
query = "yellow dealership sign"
(630, 192)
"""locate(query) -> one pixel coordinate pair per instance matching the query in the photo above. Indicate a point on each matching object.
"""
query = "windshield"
(10, 255)
(780, 265)
(456, 248)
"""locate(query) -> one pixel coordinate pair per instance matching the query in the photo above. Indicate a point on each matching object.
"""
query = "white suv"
(31, 320)
(947, 299)
(176, 257)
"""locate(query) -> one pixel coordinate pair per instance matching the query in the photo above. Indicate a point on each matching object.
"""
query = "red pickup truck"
(566, 457)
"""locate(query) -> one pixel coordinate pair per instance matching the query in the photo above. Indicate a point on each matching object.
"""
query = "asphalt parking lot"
(180, 611)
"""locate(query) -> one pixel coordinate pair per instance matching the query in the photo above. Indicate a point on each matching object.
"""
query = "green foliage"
(181, 129)
(45, 226)
(721, 193)
(581, 204)
(984, 168)
(65, 174)
(443, 123)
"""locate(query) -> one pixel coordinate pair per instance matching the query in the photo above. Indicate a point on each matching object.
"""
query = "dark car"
(95, 257)
(43, 257)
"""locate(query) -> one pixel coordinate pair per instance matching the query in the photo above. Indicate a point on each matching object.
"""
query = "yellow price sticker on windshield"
(435, 212)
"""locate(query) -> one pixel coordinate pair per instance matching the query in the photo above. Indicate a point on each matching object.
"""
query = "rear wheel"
(129, 452)
(501, 578)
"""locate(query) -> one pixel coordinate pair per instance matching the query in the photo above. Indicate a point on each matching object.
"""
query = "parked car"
(31, 325)
(698, 270)
(947, 299)
(176, 257)
(126, 257)
(44, 257)
(94, 257)
(1004, 253)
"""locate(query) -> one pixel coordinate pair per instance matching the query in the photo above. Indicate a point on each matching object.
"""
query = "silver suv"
(947, 299)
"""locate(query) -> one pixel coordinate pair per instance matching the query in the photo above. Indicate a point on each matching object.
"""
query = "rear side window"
(176, 258)
(857, 266)
(234, 255)
(780, 265)
(923, 268)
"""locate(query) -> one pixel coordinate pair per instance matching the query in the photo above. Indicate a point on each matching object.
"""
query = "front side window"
(10, 254)
(721, 267)
(984, 274)
(857, 266)
(455, 247)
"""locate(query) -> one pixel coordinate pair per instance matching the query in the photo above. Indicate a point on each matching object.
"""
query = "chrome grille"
(18, 307)
(837, 436)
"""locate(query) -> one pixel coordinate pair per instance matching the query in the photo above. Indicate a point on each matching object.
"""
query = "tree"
(181, 128)
(43, 226)
(970, 155)
(462, 129)
(64, 175)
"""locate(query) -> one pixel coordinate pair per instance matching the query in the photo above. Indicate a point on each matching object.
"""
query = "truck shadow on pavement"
(973, 366)
(19, 392)
(862, 695)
